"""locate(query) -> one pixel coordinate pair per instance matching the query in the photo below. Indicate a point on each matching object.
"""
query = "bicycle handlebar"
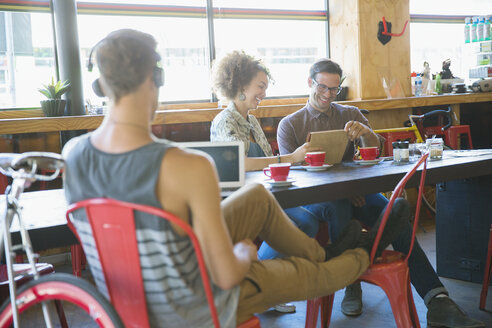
(30, 163)
(446, 113)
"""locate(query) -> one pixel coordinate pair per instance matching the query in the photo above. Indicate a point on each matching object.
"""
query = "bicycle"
(24, 169)
(412, 130)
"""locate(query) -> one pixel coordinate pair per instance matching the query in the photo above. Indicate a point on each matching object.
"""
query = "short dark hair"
(324, 65)
(125, 58)
(235, 71)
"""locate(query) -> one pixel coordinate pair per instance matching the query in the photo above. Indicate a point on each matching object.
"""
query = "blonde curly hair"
(234, 72)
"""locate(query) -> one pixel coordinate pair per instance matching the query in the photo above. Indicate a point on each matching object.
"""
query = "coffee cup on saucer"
(277, 171)
(369, 153)
(316, 158)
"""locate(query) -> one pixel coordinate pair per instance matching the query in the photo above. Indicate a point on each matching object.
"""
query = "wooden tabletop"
(44, 211)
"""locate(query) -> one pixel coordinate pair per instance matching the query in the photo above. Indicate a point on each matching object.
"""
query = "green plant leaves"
(55, 90)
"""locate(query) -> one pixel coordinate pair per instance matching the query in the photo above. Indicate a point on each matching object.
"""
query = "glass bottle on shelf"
(473, 29)
(467, 29)
(487, 33)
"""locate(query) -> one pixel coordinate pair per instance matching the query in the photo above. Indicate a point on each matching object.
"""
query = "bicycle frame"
(22, 178)
(413, 128)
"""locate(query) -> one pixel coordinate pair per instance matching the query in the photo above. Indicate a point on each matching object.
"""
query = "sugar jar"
(435, 146)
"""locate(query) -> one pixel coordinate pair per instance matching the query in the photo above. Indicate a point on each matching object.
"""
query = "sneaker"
(352, 301)
(348, 239)
(444, 312)
(285, 308)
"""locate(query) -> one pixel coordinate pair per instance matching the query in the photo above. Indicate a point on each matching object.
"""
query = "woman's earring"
(242, 97)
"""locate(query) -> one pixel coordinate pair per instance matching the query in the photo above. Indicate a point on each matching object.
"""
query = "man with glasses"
(321, 114)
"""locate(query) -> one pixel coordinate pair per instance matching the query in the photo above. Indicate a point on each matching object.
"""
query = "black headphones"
(157, 72)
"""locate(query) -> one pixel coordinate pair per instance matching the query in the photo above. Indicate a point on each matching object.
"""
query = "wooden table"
(44, 216)
(346, 180)
(44, 211)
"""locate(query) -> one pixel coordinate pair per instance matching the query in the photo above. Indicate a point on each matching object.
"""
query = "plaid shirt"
(229, 125)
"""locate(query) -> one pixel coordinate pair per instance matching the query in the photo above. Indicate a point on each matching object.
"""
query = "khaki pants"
(253, 212)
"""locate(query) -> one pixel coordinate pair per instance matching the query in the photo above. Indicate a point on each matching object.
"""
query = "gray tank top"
(172, 283)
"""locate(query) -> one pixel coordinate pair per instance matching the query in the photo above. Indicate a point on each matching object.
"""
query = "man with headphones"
(123, 160)
(157, 72)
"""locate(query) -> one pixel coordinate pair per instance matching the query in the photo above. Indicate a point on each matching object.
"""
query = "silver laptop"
(229, 160)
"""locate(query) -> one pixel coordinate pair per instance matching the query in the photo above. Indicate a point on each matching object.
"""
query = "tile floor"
(377, 311)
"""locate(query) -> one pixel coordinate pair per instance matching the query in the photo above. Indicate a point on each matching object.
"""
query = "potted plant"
(54, 106)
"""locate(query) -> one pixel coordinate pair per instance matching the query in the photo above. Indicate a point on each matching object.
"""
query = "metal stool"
(453, 134)
(395, 136)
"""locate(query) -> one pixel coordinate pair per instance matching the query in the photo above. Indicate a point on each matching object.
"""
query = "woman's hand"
(299, 154)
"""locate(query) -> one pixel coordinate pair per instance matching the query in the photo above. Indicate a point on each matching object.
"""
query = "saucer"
(368, 161)
(317, 168)
(285, 183)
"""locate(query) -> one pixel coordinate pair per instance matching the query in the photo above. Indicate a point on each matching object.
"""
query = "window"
(26, 57)
(437, 33)
(288, 44)
(436, 42)
(184, 54)
(267, 29)
(287, 34)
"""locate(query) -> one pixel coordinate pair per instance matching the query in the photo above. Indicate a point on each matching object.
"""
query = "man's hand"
(356, 129)
(246, 248)
(299, 154)
(359, 201)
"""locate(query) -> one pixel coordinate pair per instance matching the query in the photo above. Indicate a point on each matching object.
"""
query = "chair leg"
(323, 305)
(77, 254)
(487, 273)
(61, 314)
(326, 308)
(401, 299)
(312, 307)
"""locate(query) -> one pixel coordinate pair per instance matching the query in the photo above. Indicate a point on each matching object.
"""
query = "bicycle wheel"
(429, 198)
(87, 305)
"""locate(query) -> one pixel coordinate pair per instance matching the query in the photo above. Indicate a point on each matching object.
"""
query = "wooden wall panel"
(365, 60)
(391, 60)
(344, 42)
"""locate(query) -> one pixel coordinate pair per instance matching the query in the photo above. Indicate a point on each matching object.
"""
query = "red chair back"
(397, 193)
(113, 228)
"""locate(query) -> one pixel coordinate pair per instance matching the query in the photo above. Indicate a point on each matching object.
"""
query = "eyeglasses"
(323, 88)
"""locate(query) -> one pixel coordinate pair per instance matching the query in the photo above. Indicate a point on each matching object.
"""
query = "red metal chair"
(452, 135)
(390, 271)
(113, 228)
(486, 274)
(390, 137)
